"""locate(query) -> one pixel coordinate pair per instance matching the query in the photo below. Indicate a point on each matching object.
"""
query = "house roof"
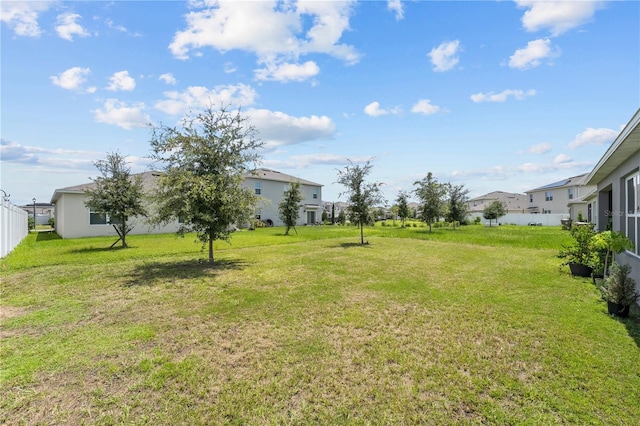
(572, 181)
(498, 195)
(147, 181)
(268, 174)
(626, 144)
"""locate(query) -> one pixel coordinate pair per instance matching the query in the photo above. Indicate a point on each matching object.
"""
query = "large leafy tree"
(458, 207)
(204, 160)
(289, 207)
(403, 206)
(117, 194)
(361, 195)
(495, 210)
(431, 194)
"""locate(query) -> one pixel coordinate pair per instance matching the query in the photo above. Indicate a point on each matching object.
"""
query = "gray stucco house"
(616, 201)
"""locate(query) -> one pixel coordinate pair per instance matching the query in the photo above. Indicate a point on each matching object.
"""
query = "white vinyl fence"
(526, 219)
(14, 226)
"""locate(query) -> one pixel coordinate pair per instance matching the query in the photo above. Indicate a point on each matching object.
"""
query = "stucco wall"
(272, 193)
(616, 181)
(72, 221)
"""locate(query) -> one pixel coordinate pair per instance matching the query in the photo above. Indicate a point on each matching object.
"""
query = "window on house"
(285, 189)
(632, 211)
(258, 188)
(571, 193)
(531, 198)
(548, 196)
(96, 218)
(315, 193)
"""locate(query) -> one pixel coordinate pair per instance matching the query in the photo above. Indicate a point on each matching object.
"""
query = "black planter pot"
(580, 270)
(618, 310)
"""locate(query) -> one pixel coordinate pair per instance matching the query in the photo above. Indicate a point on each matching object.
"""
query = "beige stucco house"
(270, 185)
(515, 203)
(565, 196)
(615, 204)
(74, 220)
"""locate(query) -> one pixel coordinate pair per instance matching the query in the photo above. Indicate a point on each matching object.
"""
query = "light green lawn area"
(469, 326)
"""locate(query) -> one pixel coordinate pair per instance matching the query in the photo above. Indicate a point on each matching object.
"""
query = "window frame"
(632, 210)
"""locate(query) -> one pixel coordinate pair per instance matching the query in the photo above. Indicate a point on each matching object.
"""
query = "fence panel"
(14, 227)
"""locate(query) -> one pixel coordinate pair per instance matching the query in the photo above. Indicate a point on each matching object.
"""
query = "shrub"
(619, 287)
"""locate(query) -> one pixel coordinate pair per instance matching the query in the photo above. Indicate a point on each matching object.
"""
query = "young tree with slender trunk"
(403, 206)
(204, 161)
(361, 195)
(494, 211)
(289, 207)
(458, 207)
(431, 194)
(117, 194)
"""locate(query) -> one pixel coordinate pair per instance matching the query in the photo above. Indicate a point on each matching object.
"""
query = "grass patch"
(473, 325)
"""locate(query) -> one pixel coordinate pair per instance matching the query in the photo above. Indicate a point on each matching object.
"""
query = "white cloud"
(277, 128)
(558, 16)
(502, 96)
(444, 57)
(424, 106)
(229, 68)
(540, 148)
(121, 80)
(532, 55)
(276, 32)
(25, 154)
(396, 6)
(308, 160)
(374, 110)
(119, 114)
(22, 17)
(593, 136)
(288, 72)
(197, 97)
(168, 78)
(71, 79)
(562, 158)
(68, 27)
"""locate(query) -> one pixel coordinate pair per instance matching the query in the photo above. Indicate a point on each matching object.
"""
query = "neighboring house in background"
(515, 203)
(75, 220)
(556, 197)
(335, 207)
(616, 202)
(44, 212)
(271, 185)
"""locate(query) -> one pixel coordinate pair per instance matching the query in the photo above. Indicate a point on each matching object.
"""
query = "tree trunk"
(211, 248)
(362, 233)
(124, 231)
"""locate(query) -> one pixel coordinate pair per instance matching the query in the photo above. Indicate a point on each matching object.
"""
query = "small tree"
(342, 217)
(116, 194)
(494, 211)
(289, 207)
(431, 193)
(205, 160)
(361, 195)
(458, 207)
(404, 211)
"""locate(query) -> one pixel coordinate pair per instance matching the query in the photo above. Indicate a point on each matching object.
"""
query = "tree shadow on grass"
(632, 324)
(99, 249)
(152, 273)
(350, 245)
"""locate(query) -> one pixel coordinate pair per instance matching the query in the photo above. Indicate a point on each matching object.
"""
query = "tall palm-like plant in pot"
(619, 290)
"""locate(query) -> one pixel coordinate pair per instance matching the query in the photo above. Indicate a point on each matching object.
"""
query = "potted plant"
(619, 290)
(605, 246)
(579, 255)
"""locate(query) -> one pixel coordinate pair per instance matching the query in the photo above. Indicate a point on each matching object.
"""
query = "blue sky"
(507, 95)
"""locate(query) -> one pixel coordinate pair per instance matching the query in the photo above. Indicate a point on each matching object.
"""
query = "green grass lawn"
(469, 326)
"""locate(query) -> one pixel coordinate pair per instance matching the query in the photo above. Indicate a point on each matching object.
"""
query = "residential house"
(616, 202)
(270, 185)
(515, 203)
(75, 220)
(557, 197)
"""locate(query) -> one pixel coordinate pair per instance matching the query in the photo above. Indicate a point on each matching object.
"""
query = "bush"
(52, 222)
